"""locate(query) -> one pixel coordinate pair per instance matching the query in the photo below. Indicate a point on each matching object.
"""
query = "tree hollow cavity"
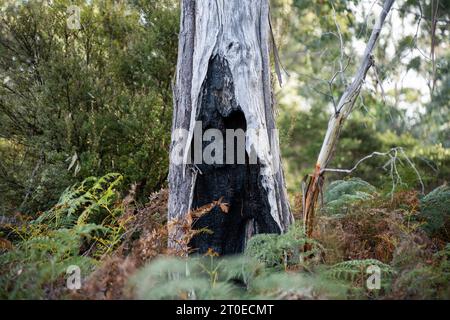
(239, 184)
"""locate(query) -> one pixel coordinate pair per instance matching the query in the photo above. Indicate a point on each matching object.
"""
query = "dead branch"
(393, 155)
(342, 111)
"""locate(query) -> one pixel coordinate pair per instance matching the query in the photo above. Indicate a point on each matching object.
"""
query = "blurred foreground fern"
(240, 277)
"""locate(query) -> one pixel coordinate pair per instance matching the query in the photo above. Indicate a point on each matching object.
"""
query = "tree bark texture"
(223, 80)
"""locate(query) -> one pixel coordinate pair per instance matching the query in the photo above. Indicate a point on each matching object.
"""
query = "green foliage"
(282, 251)
(90, 201)
(77, 103)
(428, 281)
(377, 123)
(203, 277)
(85, 224)
(36, 266)
(435, 212)
(433, 162)
(225, 278)
(342, 193)
(355, 270)
(93, 202)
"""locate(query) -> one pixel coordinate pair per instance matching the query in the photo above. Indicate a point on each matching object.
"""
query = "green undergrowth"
(79, 230)
(340, 193)
(360, 233)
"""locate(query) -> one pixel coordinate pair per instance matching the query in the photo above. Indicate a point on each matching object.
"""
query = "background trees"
(311, 52)
(75, 103)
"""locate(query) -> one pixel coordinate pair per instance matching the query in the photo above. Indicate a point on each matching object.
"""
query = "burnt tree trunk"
(223, 82)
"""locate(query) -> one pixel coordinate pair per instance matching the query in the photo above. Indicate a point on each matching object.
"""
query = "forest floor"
(357, 229)
(375, 230)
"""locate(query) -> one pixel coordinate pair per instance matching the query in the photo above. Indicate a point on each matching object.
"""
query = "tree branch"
(335, 124)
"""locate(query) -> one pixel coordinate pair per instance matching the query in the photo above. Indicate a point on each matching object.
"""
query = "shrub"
(97, 102)
(435, 212)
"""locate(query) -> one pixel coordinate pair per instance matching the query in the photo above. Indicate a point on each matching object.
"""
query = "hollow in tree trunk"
(223, 83)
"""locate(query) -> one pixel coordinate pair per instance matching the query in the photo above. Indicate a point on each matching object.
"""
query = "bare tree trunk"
(336, 122)
(223, 80)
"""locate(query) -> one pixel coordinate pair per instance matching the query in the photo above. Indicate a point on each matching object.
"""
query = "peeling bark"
(223, 80)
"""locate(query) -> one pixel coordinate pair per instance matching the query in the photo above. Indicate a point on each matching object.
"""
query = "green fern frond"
(89, 201)
(282, 250)
(340, 193)
(354, 270)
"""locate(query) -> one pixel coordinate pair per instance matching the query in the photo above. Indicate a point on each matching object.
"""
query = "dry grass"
(372, 229)
(146, 237)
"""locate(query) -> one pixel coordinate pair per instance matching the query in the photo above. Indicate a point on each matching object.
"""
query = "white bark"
(238, 31)
(336, 122)
(347, 101)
